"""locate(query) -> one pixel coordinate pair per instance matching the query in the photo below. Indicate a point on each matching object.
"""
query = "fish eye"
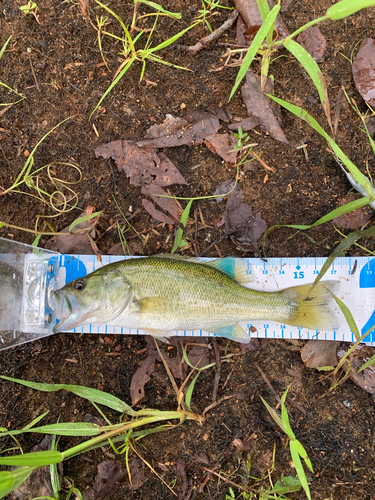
(79, 285)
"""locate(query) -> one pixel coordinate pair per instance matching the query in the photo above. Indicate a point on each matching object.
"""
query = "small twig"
(225, 235)
(257, 157)
(32, 69)
(213, 405)
(218, 369)
(230, 374)
(213, 36)
(229, 481)
(264, 377)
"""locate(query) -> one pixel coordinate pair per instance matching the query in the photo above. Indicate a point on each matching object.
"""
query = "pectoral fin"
(160, 334)
(232, 332)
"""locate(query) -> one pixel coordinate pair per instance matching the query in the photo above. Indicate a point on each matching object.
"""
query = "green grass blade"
(299, 468)
(368, 363)
(183, 221)
(189, 392)
(253, 49)
(304, 115)
(61, 429)
(6, 479)
(171, 40)
(314, 72)
(126, 31)
(83, 219)
(114, 83)
(95, 395)
(159, 8)
(19, 476)
(346, 8)
(343, 246)
(264, 10)
(274, 415)
(2, 50)
(33, 459)
(55, 481)
(348, 316)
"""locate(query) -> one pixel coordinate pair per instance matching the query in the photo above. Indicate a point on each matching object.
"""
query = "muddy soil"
(58, 66)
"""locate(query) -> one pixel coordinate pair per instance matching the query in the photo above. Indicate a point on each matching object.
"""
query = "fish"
(165, 293)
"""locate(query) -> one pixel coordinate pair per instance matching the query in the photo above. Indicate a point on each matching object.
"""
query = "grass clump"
(129, 52)
(133, 425)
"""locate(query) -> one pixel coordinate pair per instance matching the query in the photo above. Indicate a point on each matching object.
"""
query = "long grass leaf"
(346, 8)
(304, 115)
(310, 65)
(299, 468)
(183, 221)
(95, 395)
(348, 316)
(33, 459)
(83, 219)
(254, 47)
(159, 8)
(171, 40)
(369, 362)
(19, 476)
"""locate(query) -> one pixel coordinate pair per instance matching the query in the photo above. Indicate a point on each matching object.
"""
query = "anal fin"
(232, 332)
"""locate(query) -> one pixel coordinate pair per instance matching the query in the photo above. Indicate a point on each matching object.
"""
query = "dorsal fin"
(238, 269)
(174, 256)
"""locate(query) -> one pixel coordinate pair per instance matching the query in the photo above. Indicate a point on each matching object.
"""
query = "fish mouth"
(67, 311)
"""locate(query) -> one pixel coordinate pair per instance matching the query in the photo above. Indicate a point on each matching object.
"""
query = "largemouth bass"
(165, 293)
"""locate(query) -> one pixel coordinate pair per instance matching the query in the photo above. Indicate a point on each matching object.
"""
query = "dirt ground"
(57, 66)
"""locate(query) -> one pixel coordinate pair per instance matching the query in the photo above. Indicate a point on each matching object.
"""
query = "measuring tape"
(357, 291)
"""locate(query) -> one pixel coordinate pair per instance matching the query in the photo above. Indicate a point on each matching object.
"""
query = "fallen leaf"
(198, 355)
(106, 483)
(181, 473)
(363, 69)
(247, 124)
(84, 4)
(174, 363)
(241, 445)
(223, 145)
(137, 473)
(222, 113)
(361, 354)
(224, 189)
(259, 105)
(250, 14)
(313, 40)
(294, 373)
(354, 219)
(318, 353)
(167, 204)
(141, 165)
(285, 4)
(370, 124)
(192, 129)
(140, 378)
(77, 242)
(155, 213)
(253, 345)
(251, 226)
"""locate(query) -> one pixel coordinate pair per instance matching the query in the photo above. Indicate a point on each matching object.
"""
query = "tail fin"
(311, 305)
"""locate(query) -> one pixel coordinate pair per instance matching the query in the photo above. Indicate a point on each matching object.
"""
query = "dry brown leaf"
(259, 105)
(313, 40)
(167, 204)
(354, 219)
(140, 378)
(357, 358)
(285, 4)
(141, 165)
(223, 145)
(318, 353)
(155, 213)
(221, 113)
(364, 70)
(370, 124)
(251, 226)
(106, 483)
(193, 128)
(137, 473)
(247, 124)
